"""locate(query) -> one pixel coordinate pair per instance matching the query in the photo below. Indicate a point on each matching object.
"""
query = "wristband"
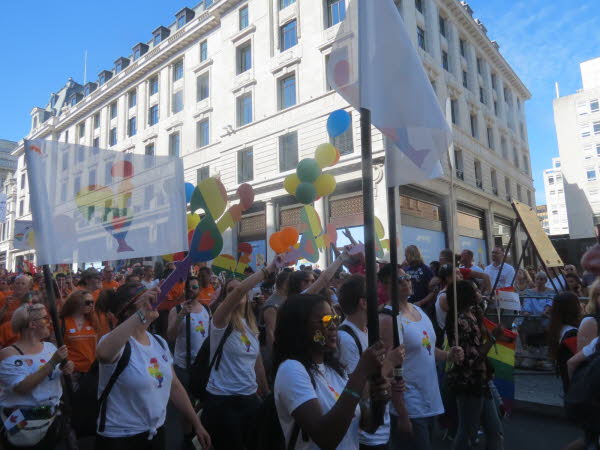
(141, 316)
(352, 393)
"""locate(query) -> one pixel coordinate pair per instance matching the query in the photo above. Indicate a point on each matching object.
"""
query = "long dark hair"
(295, 280)
(119, 302)
(566, 310)
(467, 298)
(291, 335)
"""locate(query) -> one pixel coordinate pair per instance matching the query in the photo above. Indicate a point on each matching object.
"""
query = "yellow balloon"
(290, 184)
(192, 221)
(325, 184)
(325, 155)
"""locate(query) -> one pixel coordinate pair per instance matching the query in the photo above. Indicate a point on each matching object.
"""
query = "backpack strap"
(188, 341)
(216, 360)
(121, 365)
(386, 312)
(351, 332)
(160, 342)
(17, 349)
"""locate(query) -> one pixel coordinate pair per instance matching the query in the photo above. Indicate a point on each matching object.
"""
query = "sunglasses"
(46, 319)
(330, 321)
(194, 287)
(88, 302)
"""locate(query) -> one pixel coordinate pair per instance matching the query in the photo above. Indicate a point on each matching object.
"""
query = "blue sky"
(543, 40)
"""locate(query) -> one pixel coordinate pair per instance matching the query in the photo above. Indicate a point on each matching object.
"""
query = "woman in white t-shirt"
(30, 386)
(588, 328)
(316, 401)
(137, 404)
(232, 393)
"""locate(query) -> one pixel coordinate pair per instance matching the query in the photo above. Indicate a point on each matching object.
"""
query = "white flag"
(95, 205)
(386, 76)
(24, 235)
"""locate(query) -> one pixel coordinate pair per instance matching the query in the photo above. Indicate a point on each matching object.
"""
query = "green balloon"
(308, 170)
(306, 193)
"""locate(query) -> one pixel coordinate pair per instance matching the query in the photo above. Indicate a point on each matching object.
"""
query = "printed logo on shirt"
(200, 328)
(18, 363)
(336, 395)
(72, 330)
(154, 371)
(426, 342)
(245, 341)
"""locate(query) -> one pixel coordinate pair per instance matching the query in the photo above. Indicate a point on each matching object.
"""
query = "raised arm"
(327, 274)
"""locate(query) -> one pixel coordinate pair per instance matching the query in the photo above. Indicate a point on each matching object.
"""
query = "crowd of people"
(280, 353)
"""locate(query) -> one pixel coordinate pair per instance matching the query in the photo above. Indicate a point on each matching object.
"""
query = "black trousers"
(230, 419)
(135, 442)
(374, 447)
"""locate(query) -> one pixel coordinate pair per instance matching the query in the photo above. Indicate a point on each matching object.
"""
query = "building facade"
(556, 214)
(577, 121)
(238, 90)
(8, 166)
(542, 213)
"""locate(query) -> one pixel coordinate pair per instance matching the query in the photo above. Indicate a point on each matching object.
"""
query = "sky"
(45, 42)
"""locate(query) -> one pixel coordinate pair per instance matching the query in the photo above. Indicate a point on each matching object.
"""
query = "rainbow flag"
(502, 358)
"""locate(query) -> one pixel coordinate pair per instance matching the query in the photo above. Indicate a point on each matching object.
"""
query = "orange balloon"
(290, 236)
(337, 158)
(276, 243)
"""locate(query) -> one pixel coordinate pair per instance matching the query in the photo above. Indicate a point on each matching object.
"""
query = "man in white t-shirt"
(493, 270)
(466, 261)
(149, 281)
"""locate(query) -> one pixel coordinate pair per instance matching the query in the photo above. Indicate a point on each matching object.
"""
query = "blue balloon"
(189, 190)
(338, 122)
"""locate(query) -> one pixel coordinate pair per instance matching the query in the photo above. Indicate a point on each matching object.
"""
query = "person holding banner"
(135, 409)
(30, 387)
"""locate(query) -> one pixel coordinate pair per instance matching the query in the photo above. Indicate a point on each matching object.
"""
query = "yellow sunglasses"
(331, 321)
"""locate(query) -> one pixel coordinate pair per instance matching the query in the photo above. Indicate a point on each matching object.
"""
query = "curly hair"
(73, 304)
(291, 335)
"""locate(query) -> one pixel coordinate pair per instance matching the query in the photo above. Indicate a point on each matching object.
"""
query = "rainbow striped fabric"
(502, 358)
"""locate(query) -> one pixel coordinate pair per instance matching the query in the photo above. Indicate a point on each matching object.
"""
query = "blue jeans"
(419, 439)
(474, 410)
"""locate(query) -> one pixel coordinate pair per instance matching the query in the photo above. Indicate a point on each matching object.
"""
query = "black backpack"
(351, 332)
(87, 407)
(582, 401)
(202, 366)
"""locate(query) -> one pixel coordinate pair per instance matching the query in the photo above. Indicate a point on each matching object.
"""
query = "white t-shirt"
(236, 374)
(150, 284)
(138, 401)
(199, 325)
(506, 277)
(349, 356)
(293, 388)
(440, 314)
(590, 349)
(16, 368)
(422, 396)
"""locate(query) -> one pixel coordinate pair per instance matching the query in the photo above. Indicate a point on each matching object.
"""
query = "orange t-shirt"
(205, 295)
(174, 297)
(12, 306)
(110, 284)
(81, 344)
(7, 337)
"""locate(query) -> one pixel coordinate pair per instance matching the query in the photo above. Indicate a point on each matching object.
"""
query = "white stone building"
(558, 221)
(8, 165)
(577, 121)
(238, 90)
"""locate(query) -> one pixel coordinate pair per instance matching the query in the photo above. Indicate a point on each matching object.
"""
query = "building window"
(596, 127)
(529, 198)
(443, 26)
(288, 151)
(288, 36)
(494, 178)
(519, 196)
(153, 85)
(96, 121)
(81, 130)
(112, 137)
(445, 63)
(92, 178)
(181, 21)
(594, 106)
(285, 3)
(478, 175)
(244, 21)
(203, 51)
(96, 142)
(287, 92)
(244, 58)
(178, 70)
(149, 151)
(202, 87)
(132, 99)
(21, 207)
(344, 142)
(591, 174)
(463, 48)
(465, 78)
(67, 136)
(479, 66)
(419, 5)
(137, 53)
(153, 115)
(494, 81)
(490, 138)
(526, 164)
(421, 37)
(516, 157)
(245, 165)
(174, 146)
(244, 110)
(481, 95)
(202, 174)
(458, 164)
(454, 111)
(132, 126)
(585, 129)
(177, 103)
(113, 110)
(507, 189)
(23, 181)
(336, 12)
(474, 126)
(202, 134)
(550, 180)
(495, 107)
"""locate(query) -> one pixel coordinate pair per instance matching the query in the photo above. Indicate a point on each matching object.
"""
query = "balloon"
(290, 184)
(325, 155)
(290, 236)
(306, 193)
(275, 242)
(337, 158)
(189, 190)
(325, 184)
(308, 170)
(338, 122)
(192, 221)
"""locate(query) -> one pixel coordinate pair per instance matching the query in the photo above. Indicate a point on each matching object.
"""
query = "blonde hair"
(413, 255)
(24, 314)
(592, 305)
(244, 311)
(527, 276)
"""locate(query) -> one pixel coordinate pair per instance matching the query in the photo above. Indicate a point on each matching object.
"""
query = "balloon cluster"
(283, 240)
(309, 183)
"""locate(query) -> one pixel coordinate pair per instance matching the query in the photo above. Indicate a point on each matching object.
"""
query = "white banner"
(95, 205)
(24, 235)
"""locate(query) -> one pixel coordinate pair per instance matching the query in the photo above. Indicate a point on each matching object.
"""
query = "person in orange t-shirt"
(80, 329)
(109, 281)
(8, 305)
(206, 289)
(91, 281)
